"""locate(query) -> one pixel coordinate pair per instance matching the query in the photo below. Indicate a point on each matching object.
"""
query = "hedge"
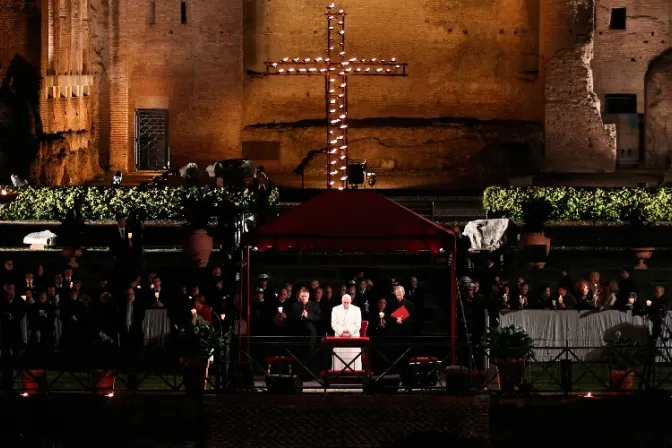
(103, 203)
(576, 204)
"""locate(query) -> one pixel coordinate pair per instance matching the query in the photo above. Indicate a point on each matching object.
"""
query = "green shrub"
(101, 203)
(576, 204)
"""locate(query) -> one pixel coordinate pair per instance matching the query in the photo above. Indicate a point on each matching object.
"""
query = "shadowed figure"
(20, 125)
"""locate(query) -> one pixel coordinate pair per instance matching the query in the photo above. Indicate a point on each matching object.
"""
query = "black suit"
(129, 323)
(625, 287)
(306, 326)
(11, 314)
(41, 320)
(122, 253)
(406, 328)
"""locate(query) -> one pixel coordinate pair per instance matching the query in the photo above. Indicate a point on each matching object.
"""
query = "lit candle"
(222, 316)
(4, 192)
(193, 312)
(280, 310)
(648, 303)
(24, 298)
(381, 314)
(589, 395)
(156, 295)
(130, 235)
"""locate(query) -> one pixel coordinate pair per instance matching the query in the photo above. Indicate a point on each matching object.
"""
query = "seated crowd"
(57, 311)
(490, 291)
(293, 310)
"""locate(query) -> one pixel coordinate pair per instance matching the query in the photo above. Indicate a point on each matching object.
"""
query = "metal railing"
(284, 364)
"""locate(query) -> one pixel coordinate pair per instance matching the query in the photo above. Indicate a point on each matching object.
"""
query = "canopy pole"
(247, 296)
(453, 304)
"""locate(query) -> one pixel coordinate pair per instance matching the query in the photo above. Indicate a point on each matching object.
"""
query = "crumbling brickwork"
(659, 111)
(623, 58)
(489, 82)
(577, 140)
(68, 152)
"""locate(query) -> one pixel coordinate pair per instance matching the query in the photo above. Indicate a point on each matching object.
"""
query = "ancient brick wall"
(472, 60)
(658, 136)
(193, 69)
(19, 31)
(623, 56)
(577, 140)
(68, 153)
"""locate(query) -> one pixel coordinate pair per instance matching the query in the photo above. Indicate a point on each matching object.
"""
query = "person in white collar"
(346, 321)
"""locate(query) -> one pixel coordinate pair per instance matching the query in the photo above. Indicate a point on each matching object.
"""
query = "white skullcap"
(346, 296)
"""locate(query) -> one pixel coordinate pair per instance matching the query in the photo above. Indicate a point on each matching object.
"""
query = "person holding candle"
(565, 300)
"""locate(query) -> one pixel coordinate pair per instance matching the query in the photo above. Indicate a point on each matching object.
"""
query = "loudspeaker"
(421, 375)
(356, 173)
(284, 384)
(383, 385)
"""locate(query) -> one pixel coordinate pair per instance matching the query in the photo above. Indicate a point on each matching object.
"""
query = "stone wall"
(468, 62)
(193, 69)
(453, 151)
(577, 140)
(623, 57)
(659, 112)
(19, 83)
(68, 154)
(19, 31)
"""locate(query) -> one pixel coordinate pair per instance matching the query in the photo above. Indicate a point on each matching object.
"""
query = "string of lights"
(336, 68)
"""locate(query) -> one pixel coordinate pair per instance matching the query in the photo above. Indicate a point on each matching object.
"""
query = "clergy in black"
(401, 327)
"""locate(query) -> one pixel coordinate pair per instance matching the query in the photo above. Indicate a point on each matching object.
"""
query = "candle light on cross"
(335, 68)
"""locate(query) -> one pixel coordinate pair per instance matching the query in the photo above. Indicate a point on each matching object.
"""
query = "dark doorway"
(151, 139)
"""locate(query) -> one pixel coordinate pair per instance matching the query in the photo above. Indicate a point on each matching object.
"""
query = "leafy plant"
(104, 203)
(508, 343)
(197, 339)
(624, 205)
(625, 353)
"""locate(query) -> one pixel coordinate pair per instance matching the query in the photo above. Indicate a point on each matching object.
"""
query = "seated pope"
(346, 321)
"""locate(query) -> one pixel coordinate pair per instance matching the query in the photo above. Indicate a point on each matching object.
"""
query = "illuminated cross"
(336, 68)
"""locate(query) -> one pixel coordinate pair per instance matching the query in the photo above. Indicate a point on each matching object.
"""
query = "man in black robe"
(305, 317)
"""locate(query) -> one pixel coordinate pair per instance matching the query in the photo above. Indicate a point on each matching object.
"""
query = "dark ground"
(296, 421)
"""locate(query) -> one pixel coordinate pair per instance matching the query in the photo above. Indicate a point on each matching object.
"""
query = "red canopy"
(351, 221)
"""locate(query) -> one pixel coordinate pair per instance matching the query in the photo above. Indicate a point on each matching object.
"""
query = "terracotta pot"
(534, 239)
(102, 381)
(621, 379)
(8, 197)
(34, 381)
(510, 373)
(195, 374)
(643, 254)
(72, 253)
(198, 247)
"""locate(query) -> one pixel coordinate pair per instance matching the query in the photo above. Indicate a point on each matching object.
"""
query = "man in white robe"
(346, 321)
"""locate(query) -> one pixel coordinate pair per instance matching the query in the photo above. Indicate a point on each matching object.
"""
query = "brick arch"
(658, 118)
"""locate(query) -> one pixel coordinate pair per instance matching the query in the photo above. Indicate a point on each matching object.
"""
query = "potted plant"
(195, 344)
(624, 355)
(639, 236)
(536, 212)
(198, 210)
(509, 348)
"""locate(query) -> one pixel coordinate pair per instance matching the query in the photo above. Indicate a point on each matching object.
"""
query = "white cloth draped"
(349, 320)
